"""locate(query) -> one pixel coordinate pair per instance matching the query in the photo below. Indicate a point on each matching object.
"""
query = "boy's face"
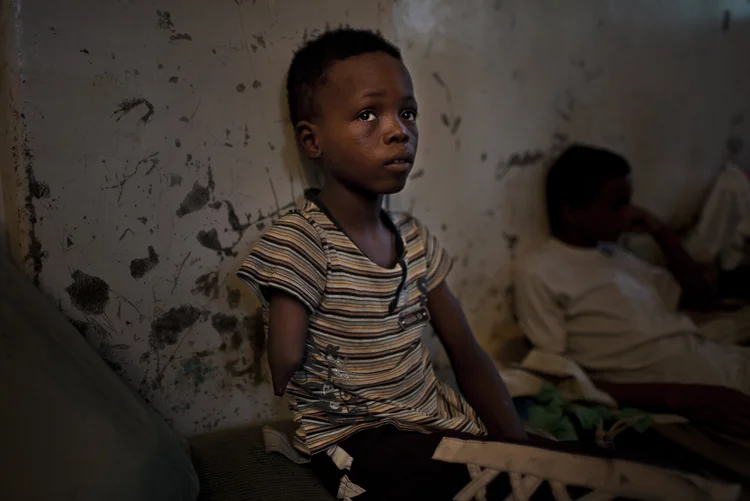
(365, 132)
(608, 215)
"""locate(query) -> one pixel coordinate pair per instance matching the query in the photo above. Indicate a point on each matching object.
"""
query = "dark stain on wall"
(417, 174)
(166, 329)
(256, 334)
(181, 36)
(250, 329)
(241, 88)
(196, 368)
(124, 234)
(174, 79)
(518, 160)
(525, 158)
(234, 221)
(175, 180)
(233, 297)
(207, 285)
(224, 323)
(261, 41)
(196, 199)
(88, 293)
(209, 239)
(456, 124)
(257, 84)
(511, 241)
(36, 190)
(164, 20)
(127, 105)
(141, 266)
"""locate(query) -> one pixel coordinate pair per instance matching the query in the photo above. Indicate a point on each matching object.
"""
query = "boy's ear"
(307, 138)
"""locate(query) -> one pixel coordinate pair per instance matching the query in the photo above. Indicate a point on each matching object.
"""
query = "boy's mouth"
(400, 163)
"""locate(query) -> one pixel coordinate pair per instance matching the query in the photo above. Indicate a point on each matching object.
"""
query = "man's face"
(608, 216)
(366, 127)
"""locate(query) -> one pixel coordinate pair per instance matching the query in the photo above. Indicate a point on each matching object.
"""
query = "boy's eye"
(366, 116)
(409, 114)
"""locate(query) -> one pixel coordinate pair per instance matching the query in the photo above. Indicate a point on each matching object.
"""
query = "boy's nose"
(396, 132)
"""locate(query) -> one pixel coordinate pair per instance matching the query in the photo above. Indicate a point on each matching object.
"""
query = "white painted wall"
(129, 202)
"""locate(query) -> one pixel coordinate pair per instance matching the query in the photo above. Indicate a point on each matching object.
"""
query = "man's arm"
(477, 376)
(718, 406)
(698, 286)
(287, 334)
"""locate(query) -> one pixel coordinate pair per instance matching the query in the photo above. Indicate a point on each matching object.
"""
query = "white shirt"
(616, 316)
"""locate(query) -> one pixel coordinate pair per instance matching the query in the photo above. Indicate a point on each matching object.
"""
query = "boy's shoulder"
(406, 222)
(303, 222)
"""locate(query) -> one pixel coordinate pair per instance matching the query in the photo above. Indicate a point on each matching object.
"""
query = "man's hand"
(698, 285)
(717, 406)
(642, 221)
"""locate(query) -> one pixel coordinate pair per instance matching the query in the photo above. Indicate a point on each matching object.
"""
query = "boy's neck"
(352, 209)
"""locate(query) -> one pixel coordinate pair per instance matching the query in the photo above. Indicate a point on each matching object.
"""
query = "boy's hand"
(642, 221)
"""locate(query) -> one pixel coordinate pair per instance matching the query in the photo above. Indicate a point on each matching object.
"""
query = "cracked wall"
(152, 147)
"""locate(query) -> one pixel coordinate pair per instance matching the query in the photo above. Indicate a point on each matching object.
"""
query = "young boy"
(583, 296)
(346, 290)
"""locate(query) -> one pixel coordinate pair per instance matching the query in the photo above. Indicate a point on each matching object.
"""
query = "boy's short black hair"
(307, 70)
(576, 177)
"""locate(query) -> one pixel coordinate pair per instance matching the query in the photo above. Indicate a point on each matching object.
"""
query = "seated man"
(584, 297)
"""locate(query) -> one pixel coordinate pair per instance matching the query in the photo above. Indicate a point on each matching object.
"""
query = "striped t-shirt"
(365, 364)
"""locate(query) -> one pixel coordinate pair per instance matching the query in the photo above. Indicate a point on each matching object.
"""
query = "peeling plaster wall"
(154, 148)
(159, 149)
(504, 84)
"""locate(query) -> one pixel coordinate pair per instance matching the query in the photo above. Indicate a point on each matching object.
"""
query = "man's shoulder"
(540, 259)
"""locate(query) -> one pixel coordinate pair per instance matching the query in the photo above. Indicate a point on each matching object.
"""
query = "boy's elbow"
(282, 371)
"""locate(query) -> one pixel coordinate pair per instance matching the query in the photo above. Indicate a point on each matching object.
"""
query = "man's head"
(352, 105)
(589, 195)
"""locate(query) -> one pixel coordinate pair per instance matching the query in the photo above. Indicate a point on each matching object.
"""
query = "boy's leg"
(388, 464)
(391, 464)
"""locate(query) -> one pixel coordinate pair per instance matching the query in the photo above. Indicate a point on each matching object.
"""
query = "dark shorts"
(389, 464)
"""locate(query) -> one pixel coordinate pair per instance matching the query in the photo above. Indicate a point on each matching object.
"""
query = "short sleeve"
(289, 257)
(439, 263)
(540, 315)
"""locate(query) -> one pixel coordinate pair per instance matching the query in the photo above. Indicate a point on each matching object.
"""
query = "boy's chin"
(393, 187)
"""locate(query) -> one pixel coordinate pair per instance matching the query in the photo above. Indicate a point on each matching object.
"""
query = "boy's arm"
(287, 334)
(477, 376)
(698, 286)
